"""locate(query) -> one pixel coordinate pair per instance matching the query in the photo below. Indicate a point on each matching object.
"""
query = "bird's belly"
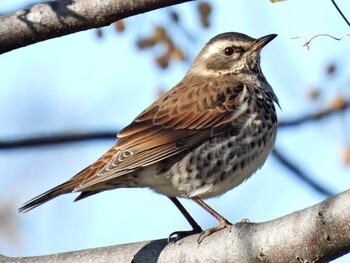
(220, 164)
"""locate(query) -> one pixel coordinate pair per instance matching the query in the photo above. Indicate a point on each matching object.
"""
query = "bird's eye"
(229, 51)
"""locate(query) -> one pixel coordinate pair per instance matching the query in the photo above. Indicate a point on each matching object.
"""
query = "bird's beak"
(262, 41)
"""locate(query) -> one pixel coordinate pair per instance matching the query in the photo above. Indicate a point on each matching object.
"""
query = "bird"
(203, 137)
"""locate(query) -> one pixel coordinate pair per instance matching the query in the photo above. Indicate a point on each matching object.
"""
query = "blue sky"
(82, 83)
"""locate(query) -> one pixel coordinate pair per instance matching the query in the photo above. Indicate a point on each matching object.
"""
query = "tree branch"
(340, 12)
(339, 105)
(316, 234)
(62, 17)
(56, 139)
(300, 173)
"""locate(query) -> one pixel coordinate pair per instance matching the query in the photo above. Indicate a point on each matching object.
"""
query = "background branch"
(56, 139)
(340, 12)
(287, 239)
(77, 137)
(298, 172)
(339, 105)
(62, 17)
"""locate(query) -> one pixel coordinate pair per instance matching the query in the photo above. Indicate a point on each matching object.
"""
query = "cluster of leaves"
(162, 41)
(337, 103)
(162, 37)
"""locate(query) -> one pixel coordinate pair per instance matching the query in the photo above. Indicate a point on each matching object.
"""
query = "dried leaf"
(163, 61)
(145, 43)
(159, 34)
(178, 54)
(314, 93)
(346, 155)
(204, 12)
(120, 26)
(338, 102)
(204, 8)
(331, 69)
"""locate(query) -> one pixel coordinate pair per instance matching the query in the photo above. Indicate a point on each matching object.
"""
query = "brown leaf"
(178, 54)
(159, 34)
(120, 26)
(163, 61)
(145, 43)
(338, 102)
(346, 155)
(204, 12)
(331, 69)
(314, 93)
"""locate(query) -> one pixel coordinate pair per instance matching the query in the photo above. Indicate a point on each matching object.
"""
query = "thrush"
(203, 137)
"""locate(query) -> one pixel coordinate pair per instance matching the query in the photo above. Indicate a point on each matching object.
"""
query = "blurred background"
(97, 81)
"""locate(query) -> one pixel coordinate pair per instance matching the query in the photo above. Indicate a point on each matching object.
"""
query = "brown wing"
(192, 112)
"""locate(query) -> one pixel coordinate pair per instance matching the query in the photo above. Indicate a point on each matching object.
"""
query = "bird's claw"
(208, 232)
(182, 234)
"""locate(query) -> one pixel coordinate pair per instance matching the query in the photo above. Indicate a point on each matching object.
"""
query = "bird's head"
(231, 53)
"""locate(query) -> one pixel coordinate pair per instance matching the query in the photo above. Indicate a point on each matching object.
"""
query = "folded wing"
(192, 112)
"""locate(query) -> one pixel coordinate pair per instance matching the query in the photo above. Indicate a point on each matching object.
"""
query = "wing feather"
(181, 119)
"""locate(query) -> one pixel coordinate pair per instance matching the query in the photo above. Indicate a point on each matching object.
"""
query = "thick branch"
(316, 234)
(62, 17)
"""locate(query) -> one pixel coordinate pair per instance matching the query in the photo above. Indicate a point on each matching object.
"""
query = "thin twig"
(307, 41)
(340, 12)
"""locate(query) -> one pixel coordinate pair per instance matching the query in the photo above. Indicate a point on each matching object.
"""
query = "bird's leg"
(223, 222)
(195, 227)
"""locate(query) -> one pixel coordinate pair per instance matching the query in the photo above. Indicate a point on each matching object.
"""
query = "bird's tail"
(69, 186)
(61, 189)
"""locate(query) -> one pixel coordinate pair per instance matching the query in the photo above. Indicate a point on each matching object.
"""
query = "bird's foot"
(223, 224)
(177, 235)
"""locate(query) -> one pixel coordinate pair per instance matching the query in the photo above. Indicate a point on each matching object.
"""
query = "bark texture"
(316, 234)
(62, 17)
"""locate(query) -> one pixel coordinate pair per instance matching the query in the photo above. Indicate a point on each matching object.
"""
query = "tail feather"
(61, 189)
(86, 194)
(69, 186)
